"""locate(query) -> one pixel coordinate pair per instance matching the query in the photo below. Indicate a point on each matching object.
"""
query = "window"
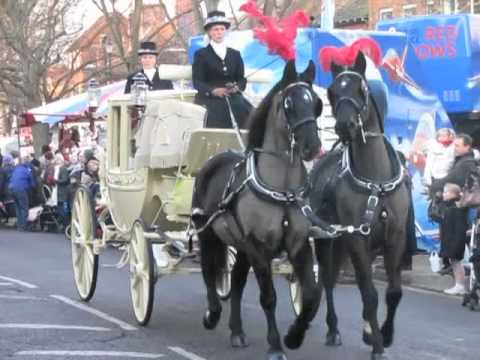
(409, 10)
(433, 7)
(386, 14)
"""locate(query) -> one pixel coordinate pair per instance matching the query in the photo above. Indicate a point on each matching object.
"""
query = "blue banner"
(447, 50)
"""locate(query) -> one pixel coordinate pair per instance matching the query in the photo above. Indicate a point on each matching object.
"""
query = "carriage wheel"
(85, 261)
(224, 279)
(295, 293)
(142, 274)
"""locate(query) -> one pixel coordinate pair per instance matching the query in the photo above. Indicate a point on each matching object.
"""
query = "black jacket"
(463, 166)
(155, 84)
(209, 71)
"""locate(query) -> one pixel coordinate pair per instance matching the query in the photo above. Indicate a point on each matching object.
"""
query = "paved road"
(40, 318)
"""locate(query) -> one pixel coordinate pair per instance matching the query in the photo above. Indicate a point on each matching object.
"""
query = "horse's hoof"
(210, 319)
(381, 356)
(276, 355)
(333, 339)
(294, 339)
(239, 341)
(387, 337)
(367, 338)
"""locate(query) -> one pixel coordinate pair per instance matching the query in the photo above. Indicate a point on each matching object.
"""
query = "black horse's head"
(349, 98)
(301, 107)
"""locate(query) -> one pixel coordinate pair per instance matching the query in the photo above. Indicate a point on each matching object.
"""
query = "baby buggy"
(49, 219)
(472, 297)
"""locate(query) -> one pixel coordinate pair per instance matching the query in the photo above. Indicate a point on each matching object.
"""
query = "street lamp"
(139, 90)
(93, 93)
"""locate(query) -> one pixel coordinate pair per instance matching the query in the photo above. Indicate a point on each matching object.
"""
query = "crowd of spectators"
(48, 181)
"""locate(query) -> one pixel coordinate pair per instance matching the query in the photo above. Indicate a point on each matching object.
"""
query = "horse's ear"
(360, 63)
(309, 74)
(289, 73)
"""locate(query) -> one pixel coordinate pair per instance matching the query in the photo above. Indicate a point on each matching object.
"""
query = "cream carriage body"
(147, 176)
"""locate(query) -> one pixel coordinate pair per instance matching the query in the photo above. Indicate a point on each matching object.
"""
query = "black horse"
(253, 200)
(362, 188)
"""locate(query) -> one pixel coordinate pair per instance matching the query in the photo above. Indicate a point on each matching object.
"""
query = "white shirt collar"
(150, 73)
(220, 49)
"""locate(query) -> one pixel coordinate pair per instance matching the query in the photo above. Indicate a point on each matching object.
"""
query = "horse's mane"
(258, 118)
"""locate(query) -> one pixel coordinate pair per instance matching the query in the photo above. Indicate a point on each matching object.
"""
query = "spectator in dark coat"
(21, 182)
(5, 172)
(453, 227)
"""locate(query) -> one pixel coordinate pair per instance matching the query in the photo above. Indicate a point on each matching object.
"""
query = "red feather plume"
(278, 35)
(346, 56)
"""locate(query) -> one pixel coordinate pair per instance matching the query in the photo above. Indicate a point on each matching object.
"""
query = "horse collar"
(259, 187)
(378, 187)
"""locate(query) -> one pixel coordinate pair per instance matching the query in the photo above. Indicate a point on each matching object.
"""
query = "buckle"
(372, 201)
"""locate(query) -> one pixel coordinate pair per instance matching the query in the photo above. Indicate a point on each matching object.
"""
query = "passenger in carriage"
(148, 58)
(218, 72)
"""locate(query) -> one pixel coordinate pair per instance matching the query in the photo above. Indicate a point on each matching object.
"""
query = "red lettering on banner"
(451, 50)
(422, 51)
(439, 42)
(430, 33)
(451, 33)
(437, 51)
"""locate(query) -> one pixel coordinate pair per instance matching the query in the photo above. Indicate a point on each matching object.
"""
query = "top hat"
(147, 48)
(216, 18)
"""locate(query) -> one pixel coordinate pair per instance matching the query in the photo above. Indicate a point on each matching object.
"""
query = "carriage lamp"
(139, 91)
(93, 92)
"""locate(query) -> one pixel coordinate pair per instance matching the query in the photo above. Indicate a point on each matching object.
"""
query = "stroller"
(472, 297)
(49, 219)
(7, 211)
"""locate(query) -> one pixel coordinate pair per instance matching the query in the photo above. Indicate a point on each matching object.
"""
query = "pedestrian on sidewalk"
(21, 181)
(440, 159)
(453, 227)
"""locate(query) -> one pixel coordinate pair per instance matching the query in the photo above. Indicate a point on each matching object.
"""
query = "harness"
(252, 179)
(376, 190)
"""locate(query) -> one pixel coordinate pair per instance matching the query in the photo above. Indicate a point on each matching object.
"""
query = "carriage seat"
(162, 136)
(205, 143)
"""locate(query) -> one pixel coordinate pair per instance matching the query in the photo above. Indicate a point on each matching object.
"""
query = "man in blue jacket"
(21, 181)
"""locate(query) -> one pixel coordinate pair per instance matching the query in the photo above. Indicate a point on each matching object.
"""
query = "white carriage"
(147, 176)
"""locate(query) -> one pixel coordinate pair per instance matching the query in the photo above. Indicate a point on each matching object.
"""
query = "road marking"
(86, 353)
(51, 326)
(21, 297)
(124, 325)
(185, 353)
(19, 282)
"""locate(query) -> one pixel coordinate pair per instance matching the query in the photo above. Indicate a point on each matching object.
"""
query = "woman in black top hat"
(148, 58)
(218, 72)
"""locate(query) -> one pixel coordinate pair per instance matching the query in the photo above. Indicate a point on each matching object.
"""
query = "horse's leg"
(363, 272)
(210, 249)
(239, 278)
(268, 300)
(329, 259)
(303, 266)
(392, 259)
